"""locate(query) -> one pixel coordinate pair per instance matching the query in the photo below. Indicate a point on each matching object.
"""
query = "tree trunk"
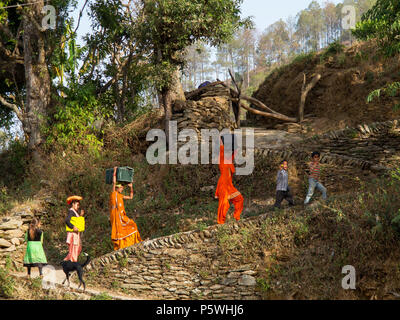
(236, 112)
(166, 101)
(37, 79)
(276, 116)
(304, 92)
(236, 105)
(169, 94)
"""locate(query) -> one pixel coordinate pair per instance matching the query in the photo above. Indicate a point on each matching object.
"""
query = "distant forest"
(251, 52)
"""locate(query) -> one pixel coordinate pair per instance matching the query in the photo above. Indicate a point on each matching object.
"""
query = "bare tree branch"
(277, 116)
(236, 105)
(252, 100)
(239, 91)
(12, 106)
(115, 78)
(80, 15)
(304, 92)
(259, 104)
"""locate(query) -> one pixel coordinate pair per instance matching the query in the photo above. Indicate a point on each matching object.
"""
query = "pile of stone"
(12, 234)
(207, 113)
(215, 89)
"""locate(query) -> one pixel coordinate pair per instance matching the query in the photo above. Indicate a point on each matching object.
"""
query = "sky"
(264, 12)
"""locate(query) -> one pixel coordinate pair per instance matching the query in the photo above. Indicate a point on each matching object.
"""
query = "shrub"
(380, 203)
(303, 57)
(7, 284)
(369, 77)
(341, 59)
(102, 296)
(14, 163)
(333, 49)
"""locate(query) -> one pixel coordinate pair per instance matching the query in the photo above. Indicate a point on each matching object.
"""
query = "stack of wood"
(207, 113)
(214, 89)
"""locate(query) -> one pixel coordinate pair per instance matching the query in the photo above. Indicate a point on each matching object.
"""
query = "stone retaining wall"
(305, 156)
(361, 131)
(181, 266)
(12, 234)
(374, 146)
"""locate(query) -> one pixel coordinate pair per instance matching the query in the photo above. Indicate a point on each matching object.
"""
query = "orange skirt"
(127, 241)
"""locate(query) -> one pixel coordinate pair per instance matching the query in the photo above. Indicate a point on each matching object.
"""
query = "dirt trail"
(271, 139)
(53, 277)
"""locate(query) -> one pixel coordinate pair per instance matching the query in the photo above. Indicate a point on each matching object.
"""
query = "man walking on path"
(282, 186)
(314, 178)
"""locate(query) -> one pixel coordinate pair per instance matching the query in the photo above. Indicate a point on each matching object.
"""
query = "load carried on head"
(124, 174)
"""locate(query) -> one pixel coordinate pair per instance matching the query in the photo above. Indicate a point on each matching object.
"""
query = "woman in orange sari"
(124, 231)
(226, 193)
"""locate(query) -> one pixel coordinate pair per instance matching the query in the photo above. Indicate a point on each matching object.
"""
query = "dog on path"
(69, 266)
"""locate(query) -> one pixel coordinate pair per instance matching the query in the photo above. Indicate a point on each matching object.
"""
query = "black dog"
(69, 266)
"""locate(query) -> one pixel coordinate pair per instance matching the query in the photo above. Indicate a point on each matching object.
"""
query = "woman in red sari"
(124, 231)
(226, 193)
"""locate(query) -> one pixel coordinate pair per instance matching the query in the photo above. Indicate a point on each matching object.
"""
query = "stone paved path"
(271, 139)
(54, 276)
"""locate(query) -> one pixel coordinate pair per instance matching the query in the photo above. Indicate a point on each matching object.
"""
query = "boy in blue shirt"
(282, 186)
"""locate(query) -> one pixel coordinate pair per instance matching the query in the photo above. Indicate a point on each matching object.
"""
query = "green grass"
(333, 49)
(7, 284)
(102, 296)
(303, 58)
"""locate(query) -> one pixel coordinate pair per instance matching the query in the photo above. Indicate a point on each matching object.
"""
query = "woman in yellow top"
(73, 235)
(124, 231)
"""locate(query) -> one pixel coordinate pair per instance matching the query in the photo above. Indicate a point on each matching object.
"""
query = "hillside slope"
(339, 99)
(302, 246)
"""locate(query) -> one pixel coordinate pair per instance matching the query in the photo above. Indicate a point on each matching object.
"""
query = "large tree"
(25, 47)
(166, 27)
(114, 60)
(382, 22)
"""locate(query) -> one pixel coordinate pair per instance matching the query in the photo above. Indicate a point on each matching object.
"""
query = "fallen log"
(275, 115)
(236, 97)
(254, 101)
